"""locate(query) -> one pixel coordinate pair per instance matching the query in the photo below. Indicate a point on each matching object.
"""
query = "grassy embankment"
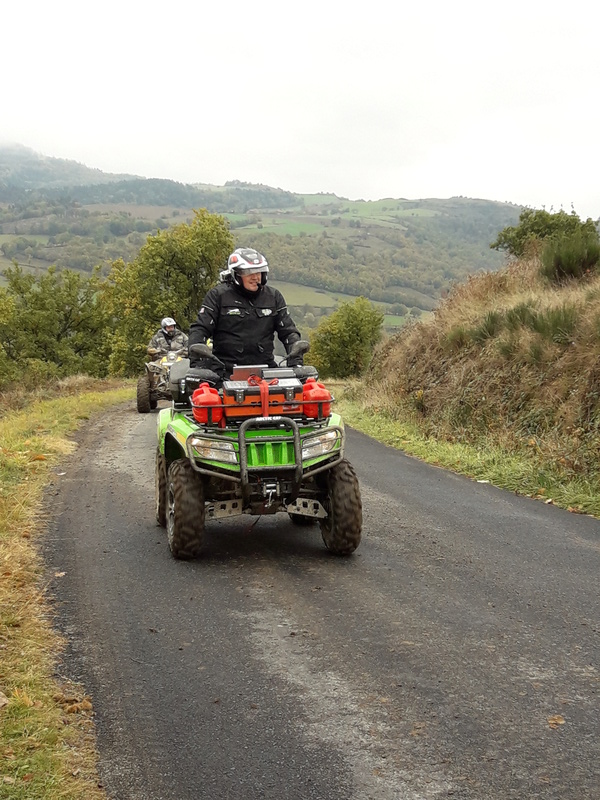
(501, 383)
(47, 745)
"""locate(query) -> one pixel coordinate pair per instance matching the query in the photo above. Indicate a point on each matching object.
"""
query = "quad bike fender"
(162, 423)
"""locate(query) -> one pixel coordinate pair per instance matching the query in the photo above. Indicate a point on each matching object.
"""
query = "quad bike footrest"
(307, 508)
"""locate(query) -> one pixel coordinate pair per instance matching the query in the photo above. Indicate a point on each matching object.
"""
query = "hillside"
(23, 169)
(403, 253)
(507, 361)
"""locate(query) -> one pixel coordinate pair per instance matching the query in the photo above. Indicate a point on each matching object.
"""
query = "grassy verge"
(519, 471)
(47, 745)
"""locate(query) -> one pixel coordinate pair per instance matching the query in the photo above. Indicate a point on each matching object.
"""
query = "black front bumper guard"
(294, 472)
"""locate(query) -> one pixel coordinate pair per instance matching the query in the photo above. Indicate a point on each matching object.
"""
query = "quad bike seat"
(176, 374)
(183, 380)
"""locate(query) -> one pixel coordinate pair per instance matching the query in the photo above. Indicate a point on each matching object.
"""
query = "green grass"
(393, 321)
(298, 295)
(385, 209)
(282, 227)
(368, 208)
(319, 199)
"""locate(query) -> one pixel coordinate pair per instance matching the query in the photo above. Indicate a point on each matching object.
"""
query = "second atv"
(153, 385)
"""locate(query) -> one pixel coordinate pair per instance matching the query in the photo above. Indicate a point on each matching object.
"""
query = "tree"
(53, 325)
(343, 343)
(9, 369)
(169, 277)
(535, 225)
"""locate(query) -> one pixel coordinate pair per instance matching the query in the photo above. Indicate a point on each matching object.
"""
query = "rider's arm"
(184, 344)
(203, 328)
(286, 329)
(157, 344)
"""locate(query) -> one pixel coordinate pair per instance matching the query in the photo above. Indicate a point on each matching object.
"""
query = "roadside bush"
(169, 277)
(342, 345)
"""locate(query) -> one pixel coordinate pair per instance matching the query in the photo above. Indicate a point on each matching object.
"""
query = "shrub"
(343, 343)
(570, 256)
(537, 225)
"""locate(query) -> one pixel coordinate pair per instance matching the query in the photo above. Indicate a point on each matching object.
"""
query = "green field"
(298, 295)
(282, 226)
(320, 199)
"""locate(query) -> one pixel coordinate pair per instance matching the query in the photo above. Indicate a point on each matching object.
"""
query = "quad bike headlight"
(209, 450)
(319, 445)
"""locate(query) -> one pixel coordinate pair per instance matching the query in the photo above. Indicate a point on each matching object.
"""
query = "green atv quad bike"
(265, 442)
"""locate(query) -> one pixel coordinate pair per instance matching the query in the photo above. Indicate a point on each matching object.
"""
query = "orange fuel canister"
(207, 406)
(315, 395)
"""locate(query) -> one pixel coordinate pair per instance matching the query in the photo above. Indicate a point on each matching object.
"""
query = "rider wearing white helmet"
(169, 337)
(242, 314)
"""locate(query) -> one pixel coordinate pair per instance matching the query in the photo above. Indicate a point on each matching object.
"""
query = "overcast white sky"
(366, 100)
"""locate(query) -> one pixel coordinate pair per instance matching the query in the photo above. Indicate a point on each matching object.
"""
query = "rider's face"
(170, 328)
(252, 281)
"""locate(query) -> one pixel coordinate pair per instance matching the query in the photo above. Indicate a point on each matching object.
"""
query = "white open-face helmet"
(167, 322)
(245, 261)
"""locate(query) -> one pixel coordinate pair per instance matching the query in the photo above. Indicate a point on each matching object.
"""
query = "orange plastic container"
(257, 397)
(207, 406)
(315, 394)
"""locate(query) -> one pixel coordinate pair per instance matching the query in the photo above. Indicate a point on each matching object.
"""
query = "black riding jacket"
(242, 325)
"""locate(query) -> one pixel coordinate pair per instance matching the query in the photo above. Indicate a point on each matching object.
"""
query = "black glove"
(293, 361)
(200, 363)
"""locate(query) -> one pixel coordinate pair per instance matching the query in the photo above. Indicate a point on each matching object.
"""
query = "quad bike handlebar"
(204, 351)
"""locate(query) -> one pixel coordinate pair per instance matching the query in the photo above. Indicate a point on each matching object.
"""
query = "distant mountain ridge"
(404, 253)
(23, 168)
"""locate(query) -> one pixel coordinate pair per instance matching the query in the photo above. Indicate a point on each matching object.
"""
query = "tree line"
(62, 322)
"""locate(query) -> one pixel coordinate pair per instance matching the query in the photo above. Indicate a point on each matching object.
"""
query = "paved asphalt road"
(438, 661)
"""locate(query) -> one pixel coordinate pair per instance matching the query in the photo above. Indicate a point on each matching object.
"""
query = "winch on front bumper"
(270, 465)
